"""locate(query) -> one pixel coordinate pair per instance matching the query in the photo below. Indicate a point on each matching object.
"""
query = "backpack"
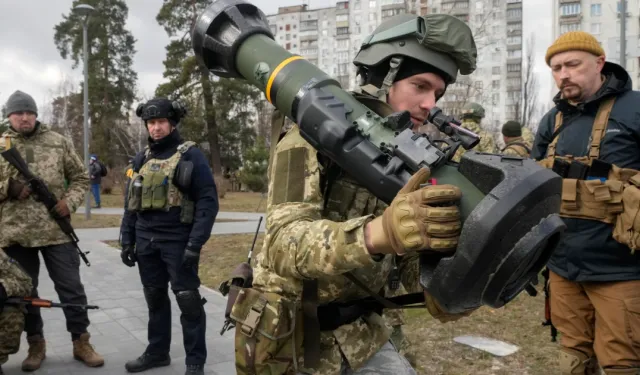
(103, 169)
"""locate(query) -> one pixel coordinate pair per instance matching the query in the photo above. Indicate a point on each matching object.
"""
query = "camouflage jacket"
(52, 158)
(304, 240)
(517, 147)
(527, 135)
(14, 278)
(486, 144)
(16, 283)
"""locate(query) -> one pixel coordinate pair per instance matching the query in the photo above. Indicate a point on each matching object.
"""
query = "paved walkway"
(119, 327)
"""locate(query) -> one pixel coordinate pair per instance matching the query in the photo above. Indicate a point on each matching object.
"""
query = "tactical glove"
(128, 255)
(18, 190)
(439, 313)
(190, 258)
(418, 219)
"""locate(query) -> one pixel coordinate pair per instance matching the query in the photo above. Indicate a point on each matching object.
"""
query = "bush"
(253, 172)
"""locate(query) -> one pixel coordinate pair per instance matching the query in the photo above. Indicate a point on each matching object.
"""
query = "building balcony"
(572, 18)
(514, 75)
(514, 6)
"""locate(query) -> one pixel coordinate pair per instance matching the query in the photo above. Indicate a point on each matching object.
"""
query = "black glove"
(190, 258)
(3, 296)
(128, 255)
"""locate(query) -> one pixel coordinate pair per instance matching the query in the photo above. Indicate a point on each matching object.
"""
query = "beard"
(572, 92)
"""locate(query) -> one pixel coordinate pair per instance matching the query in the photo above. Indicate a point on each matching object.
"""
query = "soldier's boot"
(147, 361)
(194, 370)
(574, 362)
(83, 351)
(37, 353)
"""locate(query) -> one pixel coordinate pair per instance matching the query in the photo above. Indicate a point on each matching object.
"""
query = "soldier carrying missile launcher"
(323, 226)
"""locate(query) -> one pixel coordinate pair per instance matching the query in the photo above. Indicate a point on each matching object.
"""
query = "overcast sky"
(29, 60)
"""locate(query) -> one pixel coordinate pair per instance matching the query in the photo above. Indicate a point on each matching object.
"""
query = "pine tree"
(112, 80)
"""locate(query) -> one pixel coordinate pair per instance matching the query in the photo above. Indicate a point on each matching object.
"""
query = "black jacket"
(587, 251)
(166, 226)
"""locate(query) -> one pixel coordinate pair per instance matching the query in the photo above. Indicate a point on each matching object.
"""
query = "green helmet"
(472, 110)
(439, 40)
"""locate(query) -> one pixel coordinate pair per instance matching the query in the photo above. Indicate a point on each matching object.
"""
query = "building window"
(513, 67)
(514, 40)
(566, 27)
(595, 28)
(515, 54)
(372, 3)
(513, 13)
(571, 9)
(288, 27)
(288, 46)
(495, 70)
(495, 84)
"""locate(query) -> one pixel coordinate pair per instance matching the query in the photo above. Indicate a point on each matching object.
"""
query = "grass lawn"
(237, 202)
(518, 323)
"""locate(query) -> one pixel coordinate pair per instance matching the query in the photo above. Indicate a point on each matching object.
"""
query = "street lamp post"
(86, 11)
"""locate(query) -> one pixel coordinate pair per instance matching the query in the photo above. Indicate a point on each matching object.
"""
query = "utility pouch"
(591, 199)
(160, 189)
(561, 167)
(269, 332)
(627, 226)
(135, 194)
(577, 170)
(187, 208)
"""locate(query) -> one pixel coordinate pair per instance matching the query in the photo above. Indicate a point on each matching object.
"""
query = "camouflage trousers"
(387, 361)
(11, 326)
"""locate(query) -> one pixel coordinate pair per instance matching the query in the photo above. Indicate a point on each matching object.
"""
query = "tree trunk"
(212, 126)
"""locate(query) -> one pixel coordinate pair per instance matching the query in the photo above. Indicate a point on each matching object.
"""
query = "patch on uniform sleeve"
(289, 177)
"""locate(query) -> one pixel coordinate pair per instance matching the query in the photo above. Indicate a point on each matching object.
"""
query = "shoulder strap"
(551, 150)
(597, 131)
(523, 145)
(600, 126)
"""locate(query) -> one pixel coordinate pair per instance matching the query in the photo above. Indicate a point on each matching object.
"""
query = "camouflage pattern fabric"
(17, 284)
(528, 135)
(515, 148)
(486, 144)
(305, 241)
(52, 158)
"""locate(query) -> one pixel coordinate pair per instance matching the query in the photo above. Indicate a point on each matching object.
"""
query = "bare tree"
(528, 106)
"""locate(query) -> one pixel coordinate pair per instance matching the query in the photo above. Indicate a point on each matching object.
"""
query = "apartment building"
(330, 38)
(602, 19)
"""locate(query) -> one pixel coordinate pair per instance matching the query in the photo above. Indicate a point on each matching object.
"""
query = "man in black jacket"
(170, 208)
(593, 132)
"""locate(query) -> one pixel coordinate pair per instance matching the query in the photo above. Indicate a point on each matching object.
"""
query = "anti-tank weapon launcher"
(509, 205)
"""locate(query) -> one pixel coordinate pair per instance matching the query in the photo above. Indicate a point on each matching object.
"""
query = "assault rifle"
(44, 195)
(241, 277)
(38, 302)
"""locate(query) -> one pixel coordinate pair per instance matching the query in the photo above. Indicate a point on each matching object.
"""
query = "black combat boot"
(194, 370)
(147, 361)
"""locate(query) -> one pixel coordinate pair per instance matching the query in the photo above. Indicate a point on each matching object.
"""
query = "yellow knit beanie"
(574, 41)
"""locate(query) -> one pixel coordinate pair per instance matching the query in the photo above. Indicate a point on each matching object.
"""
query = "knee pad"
(156, 297)
(190, 303)
(576, 362)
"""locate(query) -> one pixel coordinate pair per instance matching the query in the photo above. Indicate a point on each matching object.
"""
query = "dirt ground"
(236, 202)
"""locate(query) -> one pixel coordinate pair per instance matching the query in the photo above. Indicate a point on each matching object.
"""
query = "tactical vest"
(614, 200)
(152, 187)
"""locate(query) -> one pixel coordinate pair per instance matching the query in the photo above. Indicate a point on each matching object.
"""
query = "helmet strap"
(394, 67)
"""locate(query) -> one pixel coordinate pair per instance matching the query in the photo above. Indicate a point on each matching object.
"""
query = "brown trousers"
(600, 319)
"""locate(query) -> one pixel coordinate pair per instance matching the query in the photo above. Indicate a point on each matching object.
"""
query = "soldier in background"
(28, 228)
(515, 145)
(14, 282)
(472, 115)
